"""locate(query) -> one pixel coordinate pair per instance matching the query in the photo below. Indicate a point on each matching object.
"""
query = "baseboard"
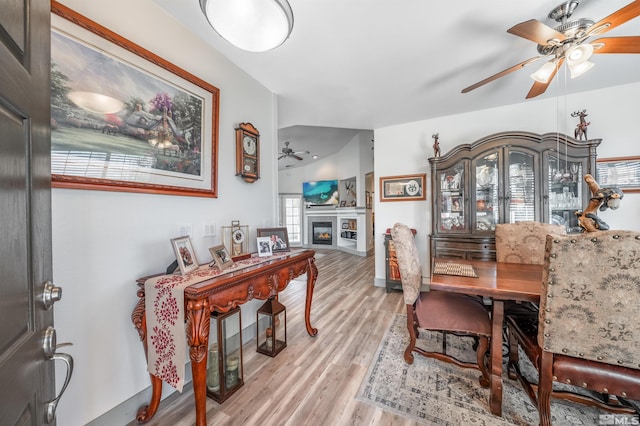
(126, 412)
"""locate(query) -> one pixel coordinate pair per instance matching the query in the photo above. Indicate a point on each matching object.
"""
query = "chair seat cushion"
(598, 376)
(440, 310)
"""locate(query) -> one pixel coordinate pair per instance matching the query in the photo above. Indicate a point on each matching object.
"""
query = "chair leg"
(545, 388)
(412, 327)
(481, 353)
(514, 357)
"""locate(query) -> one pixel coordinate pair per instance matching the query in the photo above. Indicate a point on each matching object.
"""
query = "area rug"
(433, 392)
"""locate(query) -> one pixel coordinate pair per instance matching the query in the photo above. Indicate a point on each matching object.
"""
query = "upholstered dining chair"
(523, 242)
(587, 334)
(437, 310)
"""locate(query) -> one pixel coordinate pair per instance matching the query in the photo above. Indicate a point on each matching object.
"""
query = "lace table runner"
(460, 269)
(164, 309)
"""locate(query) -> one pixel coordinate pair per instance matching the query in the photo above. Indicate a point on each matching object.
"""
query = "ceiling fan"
(568, 42)
(288, 152)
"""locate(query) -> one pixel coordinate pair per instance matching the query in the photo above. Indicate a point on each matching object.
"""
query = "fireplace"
(322, 233)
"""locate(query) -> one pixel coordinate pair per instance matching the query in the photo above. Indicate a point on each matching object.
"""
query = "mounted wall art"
(124, 119)
(403, 188)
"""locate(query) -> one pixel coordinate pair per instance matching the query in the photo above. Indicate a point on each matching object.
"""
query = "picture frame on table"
(221, 257)
(264, 246)
(403, 188)
(185, 255)
(279, 238)
(619, 172)
(135, 123)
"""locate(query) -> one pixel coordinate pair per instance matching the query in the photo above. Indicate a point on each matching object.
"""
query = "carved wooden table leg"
(146, 412)
(312, 275)
(198, 323)
(495, 395)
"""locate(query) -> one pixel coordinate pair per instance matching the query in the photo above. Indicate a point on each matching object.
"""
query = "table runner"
(164, 310)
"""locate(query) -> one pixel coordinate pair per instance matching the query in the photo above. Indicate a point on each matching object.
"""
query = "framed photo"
(403, 188)
(185, 256)
(264, 246)
(123, 118)
(343, 203)
(277, 236)
(221, 257)
(621, 172)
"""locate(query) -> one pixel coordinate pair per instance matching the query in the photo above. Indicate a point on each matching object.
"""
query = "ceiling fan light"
(579, 54)
(578, 69)
(251, 25)
(544, 73)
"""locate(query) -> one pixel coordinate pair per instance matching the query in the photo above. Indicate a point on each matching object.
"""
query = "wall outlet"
(209, 229)
(185, 230)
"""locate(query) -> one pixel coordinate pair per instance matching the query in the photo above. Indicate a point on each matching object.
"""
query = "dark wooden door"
(25, 211)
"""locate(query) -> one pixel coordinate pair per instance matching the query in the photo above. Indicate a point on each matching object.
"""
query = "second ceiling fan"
(568, 42)
(289, 152)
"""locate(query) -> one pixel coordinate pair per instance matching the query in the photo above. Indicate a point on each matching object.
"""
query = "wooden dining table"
(496, 280)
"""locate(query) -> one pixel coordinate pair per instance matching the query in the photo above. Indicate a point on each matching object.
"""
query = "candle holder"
(224, 357)
(272, 328)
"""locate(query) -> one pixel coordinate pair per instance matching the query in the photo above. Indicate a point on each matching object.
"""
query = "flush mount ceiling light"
(252, 25)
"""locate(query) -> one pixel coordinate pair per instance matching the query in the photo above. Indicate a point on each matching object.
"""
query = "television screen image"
(323, 192)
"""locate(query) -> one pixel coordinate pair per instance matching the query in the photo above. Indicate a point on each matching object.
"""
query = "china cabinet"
(503, 178)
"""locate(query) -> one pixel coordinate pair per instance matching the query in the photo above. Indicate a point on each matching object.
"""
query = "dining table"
(499, 282)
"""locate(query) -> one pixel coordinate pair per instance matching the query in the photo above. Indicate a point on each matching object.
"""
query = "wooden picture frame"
(185, 256)
(403, 188)
(264, 246)
(135, 123)
(278, 236)
(221, 257)
(619, 172)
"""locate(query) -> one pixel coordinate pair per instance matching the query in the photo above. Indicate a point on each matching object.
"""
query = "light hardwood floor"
(314, 381)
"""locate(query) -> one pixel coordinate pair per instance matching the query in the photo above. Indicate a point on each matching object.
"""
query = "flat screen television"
(321, 192)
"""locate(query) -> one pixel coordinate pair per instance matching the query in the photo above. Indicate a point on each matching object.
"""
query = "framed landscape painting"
(124, 119)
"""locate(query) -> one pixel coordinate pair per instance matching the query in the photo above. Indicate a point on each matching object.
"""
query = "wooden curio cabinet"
(504, 178)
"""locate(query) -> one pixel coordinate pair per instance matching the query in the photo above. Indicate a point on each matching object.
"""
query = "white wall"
(404, 149)
(104, 241)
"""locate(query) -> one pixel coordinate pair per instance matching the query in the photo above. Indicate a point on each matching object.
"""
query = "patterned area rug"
(437, 393)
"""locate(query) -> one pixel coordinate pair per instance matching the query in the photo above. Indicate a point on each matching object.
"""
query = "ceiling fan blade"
(539, 88)
(536, 31)
(301, 152)
(618, 17)
(500, 74)
(296, 157)
(281, 157)
(629, 44)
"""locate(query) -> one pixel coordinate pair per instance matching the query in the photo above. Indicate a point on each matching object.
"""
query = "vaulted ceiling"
(366, 64)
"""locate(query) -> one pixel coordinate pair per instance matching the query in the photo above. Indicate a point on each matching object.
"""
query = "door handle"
(49, 347)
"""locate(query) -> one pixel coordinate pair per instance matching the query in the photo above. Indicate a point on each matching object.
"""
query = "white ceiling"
(366, 64)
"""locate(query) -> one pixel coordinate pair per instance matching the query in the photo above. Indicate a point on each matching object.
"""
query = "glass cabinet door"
(452, 217)
(487, 209)
(565, 191)
(521, 187)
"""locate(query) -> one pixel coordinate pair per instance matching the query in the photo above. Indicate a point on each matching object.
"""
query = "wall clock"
(248, 152)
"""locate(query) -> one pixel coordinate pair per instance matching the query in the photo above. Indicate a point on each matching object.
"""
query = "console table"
(223, 293)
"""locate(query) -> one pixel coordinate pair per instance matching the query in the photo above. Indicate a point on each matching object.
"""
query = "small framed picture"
(343, 203)
(264, 246)
(221, 257)
(278, 237)
(185, 256)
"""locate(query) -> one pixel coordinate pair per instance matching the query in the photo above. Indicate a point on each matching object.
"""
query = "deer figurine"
(581, 129)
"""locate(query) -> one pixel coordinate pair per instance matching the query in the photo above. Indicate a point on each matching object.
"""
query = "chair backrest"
(523, 242)
(590, 297)
(408, 262)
